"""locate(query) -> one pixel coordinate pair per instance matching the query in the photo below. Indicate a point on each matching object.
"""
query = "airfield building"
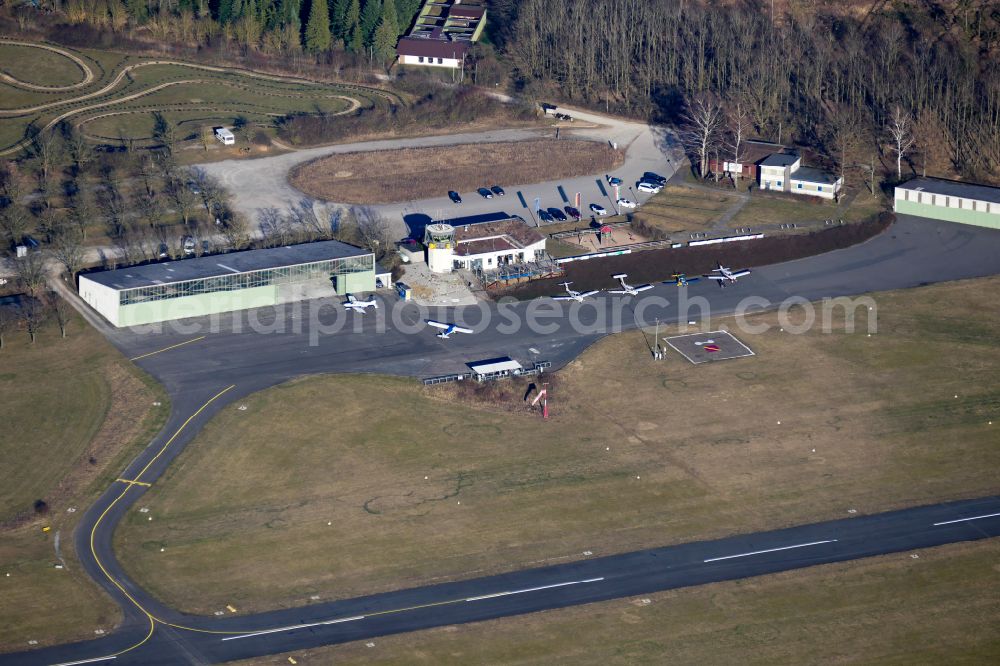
(486, 246)
(227, 282)
(949, 200)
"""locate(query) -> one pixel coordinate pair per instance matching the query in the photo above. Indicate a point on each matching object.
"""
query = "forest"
(837, 81)
(859, 81)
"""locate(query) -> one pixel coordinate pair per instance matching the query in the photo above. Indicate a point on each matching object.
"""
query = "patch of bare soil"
(391, 176)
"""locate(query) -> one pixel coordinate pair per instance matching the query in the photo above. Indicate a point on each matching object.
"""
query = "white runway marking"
(87, 661)
(964, 520)
(293, 627)
(769, 550)
(534, 589)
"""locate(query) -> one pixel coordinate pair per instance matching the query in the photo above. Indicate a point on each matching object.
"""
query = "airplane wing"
(564, 298)
(739, 274)
(437, 324)
(693, 279)
(459, 329)
(618, 291)
(644, 287)
(590, 293)
(716, 277)
(351, 299)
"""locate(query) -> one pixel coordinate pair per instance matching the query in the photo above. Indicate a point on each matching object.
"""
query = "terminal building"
(949, 200)
(486, 246)
(227, 282)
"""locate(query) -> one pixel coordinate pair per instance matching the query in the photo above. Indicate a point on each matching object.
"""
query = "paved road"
(213, 368)
(262, 183)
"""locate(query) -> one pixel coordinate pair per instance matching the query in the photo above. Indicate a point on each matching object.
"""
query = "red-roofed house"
(442, 33)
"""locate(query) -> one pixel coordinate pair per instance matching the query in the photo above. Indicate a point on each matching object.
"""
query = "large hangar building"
(227, 282)
(949, 200)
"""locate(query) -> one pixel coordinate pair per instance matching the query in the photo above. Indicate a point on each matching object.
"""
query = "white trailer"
(224, 136)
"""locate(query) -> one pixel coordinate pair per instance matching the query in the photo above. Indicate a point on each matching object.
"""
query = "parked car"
(557, 214)
(188, 243)
(564, 116)
(193, 186)
(453, 195)
(544, 216)
(497, 190)
(164, 251)
(626, 203)
(646, 186)
(485, 193)
(572, 212)
(614, 180)
(598, 210)
(651, 177)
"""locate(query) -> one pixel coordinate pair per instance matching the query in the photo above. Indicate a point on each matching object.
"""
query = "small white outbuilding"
(224, 136)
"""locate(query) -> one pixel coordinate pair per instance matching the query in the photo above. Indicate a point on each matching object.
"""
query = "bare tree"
(274, 227)
(14, 222)
(901, 132)
(700, 130)
(31, 273)
(374, 231)
(236, 231)
(738, 128)
(33, 314)
(7, 320)
(844, 137)
(303, 215)
(67, 247)
(60, 309)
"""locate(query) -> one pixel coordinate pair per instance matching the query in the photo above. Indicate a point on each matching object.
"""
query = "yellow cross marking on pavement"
(133, 482)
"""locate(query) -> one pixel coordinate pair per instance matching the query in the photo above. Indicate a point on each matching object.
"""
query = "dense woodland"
(822, 78)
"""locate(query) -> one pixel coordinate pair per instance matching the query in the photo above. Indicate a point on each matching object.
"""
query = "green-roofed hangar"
(226, 282)
(949, 200)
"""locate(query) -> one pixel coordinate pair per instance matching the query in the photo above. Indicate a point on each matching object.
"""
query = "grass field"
(770, 209)
(678, 208)
(38, 67)
(940, 608)
(141, 86)
(417, 173)
(387, 484)
(75, 412)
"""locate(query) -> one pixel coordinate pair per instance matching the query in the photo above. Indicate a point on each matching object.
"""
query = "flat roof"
(216, 265)
(811, 175)
(953, 188)
(502, 364)
(779, 160)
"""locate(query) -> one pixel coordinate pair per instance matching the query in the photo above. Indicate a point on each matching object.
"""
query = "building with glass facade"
(226, 282)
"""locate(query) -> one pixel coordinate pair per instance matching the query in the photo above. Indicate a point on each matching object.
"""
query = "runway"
(212, 363)
(585, 581)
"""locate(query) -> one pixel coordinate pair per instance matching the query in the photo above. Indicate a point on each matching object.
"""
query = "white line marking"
(963, 520)
(86, 661)
(534, 589)
(228, 268)
(293, 627)
(769, 550)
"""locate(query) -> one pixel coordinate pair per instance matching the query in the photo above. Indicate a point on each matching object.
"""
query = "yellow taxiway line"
(159, 351)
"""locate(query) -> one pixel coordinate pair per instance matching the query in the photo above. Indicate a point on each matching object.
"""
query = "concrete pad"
(712, 346)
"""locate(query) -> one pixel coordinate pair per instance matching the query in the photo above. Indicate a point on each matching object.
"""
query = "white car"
(598, 210)
(646, 186)
(626, 203)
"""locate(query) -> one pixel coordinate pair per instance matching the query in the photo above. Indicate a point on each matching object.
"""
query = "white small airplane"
(627, 288)
(448, 329)
(572, 295)
(727, 275)
(359, 306)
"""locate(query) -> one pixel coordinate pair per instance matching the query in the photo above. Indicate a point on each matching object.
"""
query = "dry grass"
(678, 208)
(418, 173)
(940, 608)
(385, 486)
(87, 411)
